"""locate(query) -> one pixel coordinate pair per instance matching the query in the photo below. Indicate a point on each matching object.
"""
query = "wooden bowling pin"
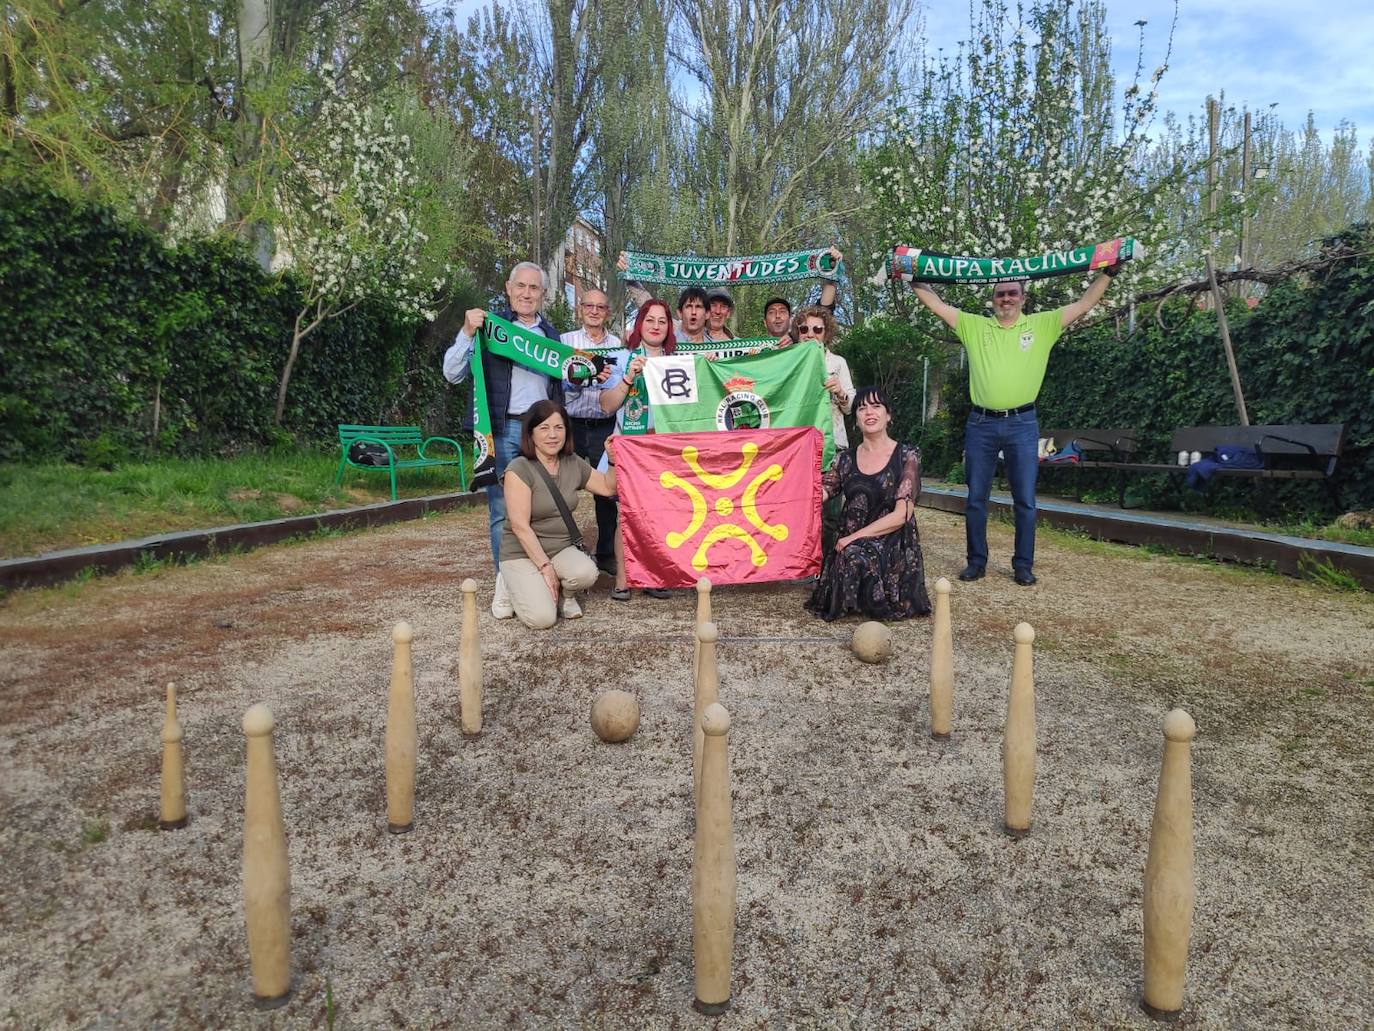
(173, 810)
(400, 735)
(713, 870)
(1018, 740)
(706, 690)
(266, 878)
(1168, 896)
(941, 665)
(703, 616)
(470, 664)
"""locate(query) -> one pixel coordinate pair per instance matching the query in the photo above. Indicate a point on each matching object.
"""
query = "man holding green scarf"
(511, 389)
(1007, 356)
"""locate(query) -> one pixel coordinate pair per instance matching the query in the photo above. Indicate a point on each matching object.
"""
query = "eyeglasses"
(596, 307)
(813, 330)
(997, 295)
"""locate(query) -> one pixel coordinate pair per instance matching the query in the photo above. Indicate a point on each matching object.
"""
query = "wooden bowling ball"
(872, 642)
(615, 716)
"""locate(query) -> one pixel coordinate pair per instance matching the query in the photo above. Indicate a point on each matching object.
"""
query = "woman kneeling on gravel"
(541, 545)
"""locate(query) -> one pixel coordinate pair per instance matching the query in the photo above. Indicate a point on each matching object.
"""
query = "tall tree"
(782, 90)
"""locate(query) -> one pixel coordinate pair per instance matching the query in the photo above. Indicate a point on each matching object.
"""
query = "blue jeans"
(506, 438)
(1018, 438)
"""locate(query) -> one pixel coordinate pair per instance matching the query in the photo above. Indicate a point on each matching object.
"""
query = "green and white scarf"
(689, 270)
(912, 264)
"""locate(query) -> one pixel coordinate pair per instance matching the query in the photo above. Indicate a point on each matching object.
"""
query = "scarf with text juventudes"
(535, 351)
(690, 270)
(914, 265)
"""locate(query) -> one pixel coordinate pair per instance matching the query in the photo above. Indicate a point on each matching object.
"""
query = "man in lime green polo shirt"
(1007, 355)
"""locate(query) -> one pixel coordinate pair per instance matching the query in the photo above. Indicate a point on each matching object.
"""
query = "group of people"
(554, 438)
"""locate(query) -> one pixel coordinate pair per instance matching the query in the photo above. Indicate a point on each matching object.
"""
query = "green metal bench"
(392, 437)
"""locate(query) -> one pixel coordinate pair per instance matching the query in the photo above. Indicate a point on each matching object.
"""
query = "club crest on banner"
(742, 408)
(634, 409)
(672, 380)
(483, 444)
(579, 368)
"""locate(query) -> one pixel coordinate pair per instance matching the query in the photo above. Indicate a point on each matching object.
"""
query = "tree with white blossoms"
(1012, 147)
(355, 208)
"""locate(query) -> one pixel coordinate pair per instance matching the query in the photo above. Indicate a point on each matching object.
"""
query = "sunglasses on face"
(813, 330)
(997, 295)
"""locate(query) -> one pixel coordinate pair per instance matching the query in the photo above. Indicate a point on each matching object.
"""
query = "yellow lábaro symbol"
(724, 505)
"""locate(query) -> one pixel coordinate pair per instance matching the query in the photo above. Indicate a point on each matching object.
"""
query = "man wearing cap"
(1007, 355)
(719, 307)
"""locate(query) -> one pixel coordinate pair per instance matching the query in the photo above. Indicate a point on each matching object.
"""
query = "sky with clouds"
(1301, 54)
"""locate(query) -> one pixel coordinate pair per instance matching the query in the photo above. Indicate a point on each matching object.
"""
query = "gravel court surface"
(547, 882)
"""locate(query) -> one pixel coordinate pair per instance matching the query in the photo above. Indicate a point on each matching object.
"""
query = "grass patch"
(93, 832)
(1324, 574)
(57, 505)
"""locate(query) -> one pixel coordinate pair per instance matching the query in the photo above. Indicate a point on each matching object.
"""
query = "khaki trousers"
(529, 594)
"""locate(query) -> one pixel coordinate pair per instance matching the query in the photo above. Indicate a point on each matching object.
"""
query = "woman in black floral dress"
(875, 569)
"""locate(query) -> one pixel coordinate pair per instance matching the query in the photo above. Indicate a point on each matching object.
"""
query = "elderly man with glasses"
(590, 425)
(511, 391)
(1007, 355)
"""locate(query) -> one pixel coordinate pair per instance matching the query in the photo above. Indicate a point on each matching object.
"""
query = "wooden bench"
(1289, 452)
(1118, 446)
(392, 437)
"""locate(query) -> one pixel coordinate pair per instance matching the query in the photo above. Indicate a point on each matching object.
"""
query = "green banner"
(532, 350)
(778, 388)
(690, 270)
(912, 264)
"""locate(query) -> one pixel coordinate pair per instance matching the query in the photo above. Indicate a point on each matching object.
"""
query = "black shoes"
(1024, 577)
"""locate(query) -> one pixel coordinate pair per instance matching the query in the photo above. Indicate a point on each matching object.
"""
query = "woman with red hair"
(628, 399)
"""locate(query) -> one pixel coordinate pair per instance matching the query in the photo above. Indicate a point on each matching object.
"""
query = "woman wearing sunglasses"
(875, 569)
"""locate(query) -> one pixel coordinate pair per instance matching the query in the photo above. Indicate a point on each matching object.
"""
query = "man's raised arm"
(947, 312)
(1073, 312)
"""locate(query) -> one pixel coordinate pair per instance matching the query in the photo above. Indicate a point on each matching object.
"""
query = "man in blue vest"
(511, 389)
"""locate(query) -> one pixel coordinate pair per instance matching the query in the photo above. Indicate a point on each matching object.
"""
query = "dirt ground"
(547, 881)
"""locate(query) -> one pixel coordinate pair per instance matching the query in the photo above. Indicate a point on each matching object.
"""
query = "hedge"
(101, 323)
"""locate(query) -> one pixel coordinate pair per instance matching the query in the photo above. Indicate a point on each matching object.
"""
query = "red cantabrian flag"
(738, 507)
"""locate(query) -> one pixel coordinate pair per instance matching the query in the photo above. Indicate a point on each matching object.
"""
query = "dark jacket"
(496, 372)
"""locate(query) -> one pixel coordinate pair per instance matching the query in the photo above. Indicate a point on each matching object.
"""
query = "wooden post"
(400, 735)
(1213, 115)
(706, 691)
(173, 810)
(1168, 895)
(713, 870)
(1226, 344)
(941, 665)
(1018, 740)
(1245, 159)
(470, 664)
(266, 877)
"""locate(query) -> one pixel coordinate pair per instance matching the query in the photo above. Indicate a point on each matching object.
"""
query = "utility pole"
(1245, 158)
(538, 199)
(1212, 178)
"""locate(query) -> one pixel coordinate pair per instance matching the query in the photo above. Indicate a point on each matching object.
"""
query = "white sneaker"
(571, 609)
(501, 607)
